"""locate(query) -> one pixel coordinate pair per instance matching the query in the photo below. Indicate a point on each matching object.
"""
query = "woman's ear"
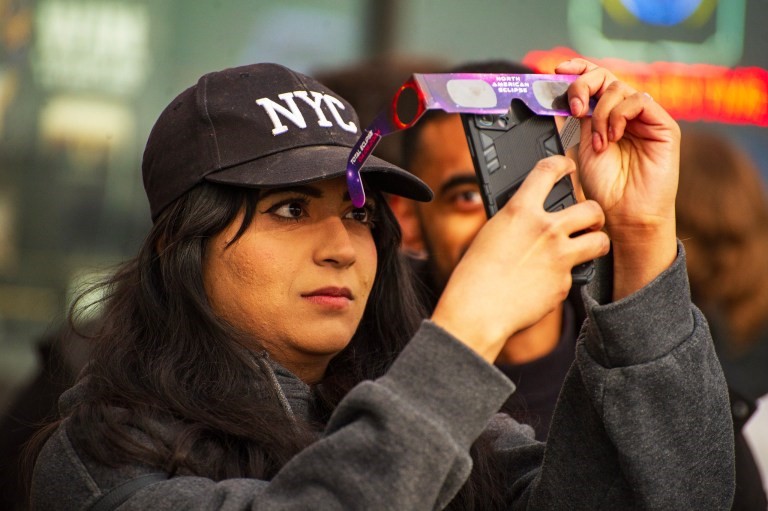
(160, 244)
(407, 216)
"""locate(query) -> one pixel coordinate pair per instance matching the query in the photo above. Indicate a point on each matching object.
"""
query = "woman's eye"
(362, 215)
(292, 210)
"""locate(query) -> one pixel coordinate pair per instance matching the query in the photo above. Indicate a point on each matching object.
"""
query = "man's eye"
(466, 199)
(469, 196)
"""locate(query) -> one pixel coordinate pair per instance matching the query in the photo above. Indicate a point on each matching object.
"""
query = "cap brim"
(315, 163)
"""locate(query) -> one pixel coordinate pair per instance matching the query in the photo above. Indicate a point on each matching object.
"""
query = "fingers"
(609, 116)
(589, 246)
(575, 66)
(537, 185)
(613, 120)
(618, 103)
(599, 83)
(593, 81)
(532, 194)
(579, 225)
(583, 223)
(582, 216)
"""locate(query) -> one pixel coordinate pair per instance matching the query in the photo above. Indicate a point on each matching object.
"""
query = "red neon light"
(689, 92)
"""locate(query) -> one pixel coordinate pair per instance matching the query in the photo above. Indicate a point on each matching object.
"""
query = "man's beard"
(438, 280)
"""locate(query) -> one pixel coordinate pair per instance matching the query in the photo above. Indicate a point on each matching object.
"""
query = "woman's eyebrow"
(300, 189)
(308, 190)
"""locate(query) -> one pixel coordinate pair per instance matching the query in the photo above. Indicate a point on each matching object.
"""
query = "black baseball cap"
(259, 126)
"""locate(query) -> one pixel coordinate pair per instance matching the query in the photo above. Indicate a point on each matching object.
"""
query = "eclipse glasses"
(465, 93)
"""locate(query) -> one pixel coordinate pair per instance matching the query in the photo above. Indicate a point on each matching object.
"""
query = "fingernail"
(597, 141)
(576, 106)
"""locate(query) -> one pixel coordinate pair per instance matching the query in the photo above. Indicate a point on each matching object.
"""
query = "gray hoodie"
(642, 422)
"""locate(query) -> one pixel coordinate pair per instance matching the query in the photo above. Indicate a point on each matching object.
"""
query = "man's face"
(445, 227)
(448, 223)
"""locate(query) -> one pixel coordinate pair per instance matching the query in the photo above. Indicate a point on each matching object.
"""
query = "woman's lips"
(331, 297)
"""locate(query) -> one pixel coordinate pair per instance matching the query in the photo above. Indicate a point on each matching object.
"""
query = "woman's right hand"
(518, 267)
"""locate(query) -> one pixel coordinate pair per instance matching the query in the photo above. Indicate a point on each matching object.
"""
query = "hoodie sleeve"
(643, 419)
(642, 422)
(400, 442)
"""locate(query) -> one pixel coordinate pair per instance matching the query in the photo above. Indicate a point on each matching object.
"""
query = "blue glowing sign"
(691, 31)
(662, 12)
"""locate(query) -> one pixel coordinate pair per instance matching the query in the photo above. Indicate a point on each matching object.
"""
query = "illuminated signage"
(96, 46)
(689, 92)
(657, 12)
(659, 30)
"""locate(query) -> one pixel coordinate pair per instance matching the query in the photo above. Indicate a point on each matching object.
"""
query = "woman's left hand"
(628, 162)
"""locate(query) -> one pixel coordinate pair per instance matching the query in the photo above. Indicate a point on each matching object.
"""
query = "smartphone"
(505, 148)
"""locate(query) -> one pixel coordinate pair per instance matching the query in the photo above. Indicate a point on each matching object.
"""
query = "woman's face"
(299, 277)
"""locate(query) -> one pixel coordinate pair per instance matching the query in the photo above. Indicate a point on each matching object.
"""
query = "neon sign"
(659, 30)
(689, 92)
(659, 12)
(97, 46)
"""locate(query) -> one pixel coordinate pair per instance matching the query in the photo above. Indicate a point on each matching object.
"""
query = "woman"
(253, 355)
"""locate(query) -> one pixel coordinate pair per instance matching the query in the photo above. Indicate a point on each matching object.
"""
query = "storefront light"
(91, 45)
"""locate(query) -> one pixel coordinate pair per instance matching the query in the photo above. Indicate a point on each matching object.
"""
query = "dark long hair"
(162, 356)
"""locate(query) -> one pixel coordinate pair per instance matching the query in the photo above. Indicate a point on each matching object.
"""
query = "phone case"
(504, 150)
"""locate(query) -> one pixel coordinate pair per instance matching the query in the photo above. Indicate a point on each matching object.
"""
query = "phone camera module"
(485, 120)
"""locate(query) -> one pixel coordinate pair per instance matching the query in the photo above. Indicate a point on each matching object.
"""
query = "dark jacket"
(642, 423)
(538, 382)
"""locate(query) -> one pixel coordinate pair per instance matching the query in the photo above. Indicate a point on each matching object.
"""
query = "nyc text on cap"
(258, 126)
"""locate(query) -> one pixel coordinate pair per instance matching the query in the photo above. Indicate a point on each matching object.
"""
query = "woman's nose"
(335, 245)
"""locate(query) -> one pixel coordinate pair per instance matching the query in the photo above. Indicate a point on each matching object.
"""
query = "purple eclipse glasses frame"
(466, 93)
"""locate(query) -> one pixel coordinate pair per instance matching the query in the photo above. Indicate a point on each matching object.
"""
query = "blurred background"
(82, 81)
